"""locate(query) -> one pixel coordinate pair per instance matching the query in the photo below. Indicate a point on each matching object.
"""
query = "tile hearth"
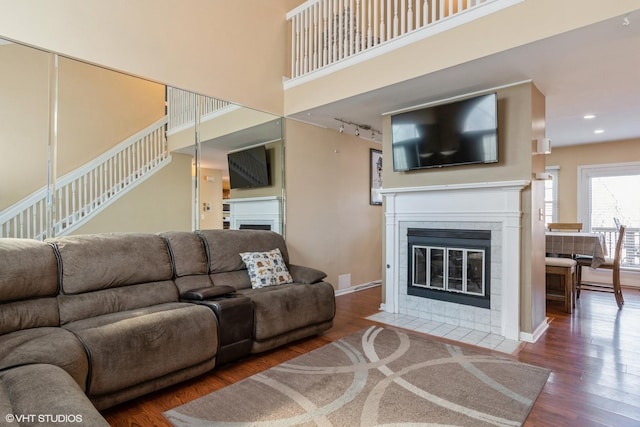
(448, 331)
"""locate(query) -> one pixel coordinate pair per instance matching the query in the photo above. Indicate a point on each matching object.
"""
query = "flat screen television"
(456, 133)
(249, 168)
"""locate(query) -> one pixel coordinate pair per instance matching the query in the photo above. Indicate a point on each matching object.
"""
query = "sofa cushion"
(224, 247)
(44, 391)
(266, 268)
(29, 270)
(33, 313)
(92, 304)
(285, 308)
(102, 261)
(187, 249)
(131, 347)
(55, 346)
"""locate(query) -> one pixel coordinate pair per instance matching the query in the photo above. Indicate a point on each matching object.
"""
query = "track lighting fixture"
(358, 127)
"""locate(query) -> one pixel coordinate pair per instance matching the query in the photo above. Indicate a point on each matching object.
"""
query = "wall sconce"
(358, 127)
(542, 146)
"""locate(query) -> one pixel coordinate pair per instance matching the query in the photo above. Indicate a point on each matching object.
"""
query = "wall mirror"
(86, 149)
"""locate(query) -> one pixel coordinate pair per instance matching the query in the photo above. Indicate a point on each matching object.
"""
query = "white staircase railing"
(325, 32)
(89, 189)
(182, 112)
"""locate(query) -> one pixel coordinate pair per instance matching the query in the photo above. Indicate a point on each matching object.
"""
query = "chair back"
(618, 252)
(564, 226)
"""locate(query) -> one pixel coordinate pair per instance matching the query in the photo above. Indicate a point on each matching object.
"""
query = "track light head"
(358, 126)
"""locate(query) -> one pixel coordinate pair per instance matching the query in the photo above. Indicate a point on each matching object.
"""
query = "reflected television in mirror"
(456, 133)
(249, 168)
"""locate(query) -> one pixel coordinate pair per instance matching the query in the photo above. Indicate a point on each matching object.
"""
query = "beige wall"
(533, 301)
(24, 122)
(198, 45)
(330, 224)
(98, 109)
(162, 203)
(520, 120)
(247, 66)
(569, 158)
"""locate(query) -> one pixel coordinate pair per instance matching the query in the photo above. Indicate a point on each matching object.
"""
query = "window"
(551, 196)
(606, 194)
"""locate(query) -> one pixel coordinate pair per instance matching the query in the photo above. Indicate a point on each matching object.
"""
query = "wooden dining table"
(577, 243)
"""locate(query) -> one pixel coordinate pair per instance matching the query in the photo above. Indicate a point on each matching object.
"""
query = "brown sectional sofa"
(106, 318)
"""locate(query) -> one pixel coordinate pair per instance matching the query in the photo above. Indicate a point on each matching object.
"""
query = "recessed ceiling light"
(589, 116)
(598, 131)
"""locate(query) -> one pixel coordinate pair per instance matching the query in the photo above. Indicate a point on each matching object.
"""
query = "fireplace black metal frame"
(471, 239)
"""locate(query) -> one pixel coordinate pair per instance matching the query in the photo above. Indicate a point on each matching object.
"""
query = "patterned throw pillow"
(266, 268)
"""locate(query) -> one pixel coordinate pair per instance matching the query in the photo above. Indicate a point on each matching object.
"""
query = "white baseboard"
(527, 337)
(357, 288)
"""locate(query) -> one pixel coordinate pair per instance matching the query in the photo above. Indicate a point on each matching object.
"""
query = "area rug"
(377, 377)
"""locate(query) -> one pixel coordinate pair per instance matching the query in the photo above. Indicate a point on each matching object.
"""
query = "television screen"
(249, 168)
(457, 133)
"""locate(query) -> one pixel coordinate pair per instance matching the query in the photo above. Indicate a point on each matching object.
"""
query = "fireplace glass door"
(458, 270)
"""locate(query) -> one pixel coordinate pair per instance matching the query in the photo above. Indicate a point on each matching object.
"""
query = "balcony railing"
(325, 32)
(181, 109)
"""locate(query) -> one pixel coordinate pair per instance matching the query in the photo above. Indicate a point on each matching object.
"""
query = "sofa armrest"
(208, 292)
(302, 274)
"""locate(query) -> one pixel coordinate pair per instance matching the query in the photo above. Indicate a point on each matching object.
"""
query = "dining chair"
(560, 281)
(564, 226)
(612, 264)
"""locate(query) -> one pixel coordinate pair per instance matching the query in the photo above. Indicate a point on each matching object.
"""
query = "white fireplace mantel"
(256, 211)
(497, 204)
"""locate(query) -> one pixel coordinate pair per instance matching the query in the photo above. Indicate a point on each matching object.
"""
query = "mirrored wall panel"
(90, 150)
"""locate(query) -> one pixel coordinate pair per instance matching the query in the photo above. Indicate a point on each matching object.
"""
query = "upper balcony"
(327, 35)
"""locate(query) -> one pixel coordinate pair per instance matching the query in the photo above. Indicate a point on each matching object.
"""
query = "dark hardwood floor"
(594, 355)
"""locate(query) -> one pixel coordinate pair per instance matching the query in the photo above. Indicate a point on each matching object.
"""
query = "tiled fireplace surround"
(493, 206)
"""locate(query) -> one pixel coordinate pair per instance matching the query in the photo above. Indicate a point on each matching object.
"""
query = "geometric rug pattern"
(376, 377)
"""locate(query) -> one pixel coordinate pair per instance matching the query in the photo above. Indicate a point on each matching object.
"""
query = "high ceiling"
(593, 70)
